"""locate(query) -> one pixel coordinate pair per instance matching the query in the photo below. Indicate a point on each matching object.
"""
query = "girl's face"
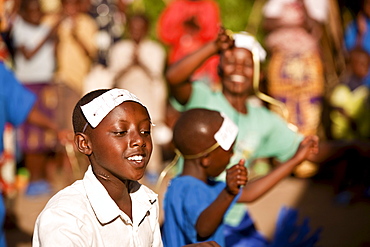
(237, 71)
(121, 144)
(32, 13)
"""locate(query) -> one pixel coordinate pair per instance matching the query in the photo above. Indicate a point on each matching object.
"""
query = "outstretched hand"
(309, 145)
(236, 176)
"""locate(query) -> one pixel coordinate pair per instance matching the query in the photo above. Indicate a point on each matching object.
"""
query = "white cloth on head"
(249, 42)
(99, 107)
(227, 133)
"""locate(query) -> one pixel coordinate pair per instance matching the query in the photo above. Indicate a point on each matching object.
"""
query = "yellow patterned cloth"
(355, 104)
(297, 80)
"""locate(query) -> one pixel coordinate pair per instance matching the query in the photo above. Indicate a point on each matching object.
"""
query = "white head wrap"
(249, 42)
(227, 133)
(99, 107)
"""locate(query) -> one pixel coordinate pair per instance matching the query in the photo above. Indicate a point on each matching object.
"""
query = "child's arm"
(28, 54)
(178, 75)
(257, 188)
(210, 219)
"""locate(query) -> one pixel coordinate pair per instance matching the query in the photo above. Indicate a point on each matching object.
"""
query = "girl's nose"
(136, 139)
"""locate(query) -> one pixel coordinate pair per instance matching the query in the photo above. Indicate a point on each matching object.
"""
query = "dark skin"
(212, 164)
(119, 150)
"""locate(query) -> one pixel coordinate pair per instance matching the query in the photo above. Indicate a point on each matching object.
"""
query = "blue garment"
(15, 104)
(351, 33)
(15, 101)
(186, 198)
(350, 37)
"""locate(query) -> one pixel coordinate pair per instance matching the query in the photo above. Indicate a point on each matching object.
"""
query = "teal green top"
(262, 133)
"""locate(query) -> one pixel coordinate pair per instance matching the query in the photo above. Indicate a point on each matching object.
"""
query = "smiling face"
(237, 71)
(121, 144)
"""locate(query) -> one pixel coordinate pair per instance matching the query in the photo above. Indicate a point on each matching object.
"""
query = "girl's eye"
(146, 132)
(120, 133)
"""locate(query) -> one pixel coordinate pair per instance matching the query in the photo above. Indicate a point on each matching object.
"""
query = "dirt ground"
(343, 225)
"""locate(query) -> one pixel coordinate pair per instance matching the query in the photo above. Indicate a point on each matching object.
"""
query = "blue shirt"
(186, 198)
(15, 101)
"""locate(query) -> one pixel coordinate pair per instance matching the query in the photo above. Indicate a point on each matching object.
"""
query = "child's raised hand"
(309, 145)
(224, 41)
(236, 176)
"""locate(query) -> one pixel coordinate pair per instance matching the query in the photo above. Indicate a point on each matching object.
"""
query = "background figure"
(34, 62)
(357, 32)
(138, 65)
(185, 25)
(295, 73)
(350, 108)
(350, 99)
(75, 52)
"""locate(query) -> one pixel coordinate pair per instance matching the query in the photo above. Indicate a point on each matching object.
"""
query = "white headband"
(227, 133)
(99, 107)
(247, 41)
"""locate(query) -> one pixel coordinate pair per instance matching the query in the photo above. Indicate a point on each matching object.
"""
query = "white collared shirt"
(84, 214)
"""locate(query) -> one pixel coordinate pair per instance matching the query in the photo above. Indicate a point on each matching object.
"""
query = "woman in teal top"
(262, 133)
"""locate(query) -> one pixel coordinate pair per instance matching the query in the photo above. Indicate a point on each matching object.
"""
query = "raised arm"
(210, 219)
(178, 74)
(257, 188)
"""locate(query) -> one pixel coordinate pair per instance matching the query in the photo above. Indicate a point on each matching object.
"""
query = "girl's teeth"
(136, 158)
(238, 78)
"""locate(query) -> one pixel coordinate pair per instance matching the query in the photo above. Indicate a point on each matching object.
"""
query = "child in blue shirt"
(195, 204)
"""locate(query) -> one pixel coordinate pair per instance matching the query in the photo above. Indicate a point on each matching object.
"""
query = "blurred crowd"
(316, 76)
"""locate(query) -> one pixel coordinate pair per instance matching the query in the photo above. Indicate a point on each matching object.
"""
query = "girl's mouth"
(137, 160)
(238, 78)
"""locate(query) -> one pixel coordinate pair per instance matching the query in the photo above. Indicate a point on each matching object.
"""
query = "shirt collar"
(106, 210)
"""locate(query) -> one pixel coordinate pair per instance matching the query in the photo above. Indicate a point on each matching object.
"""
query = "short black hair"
(78, 118)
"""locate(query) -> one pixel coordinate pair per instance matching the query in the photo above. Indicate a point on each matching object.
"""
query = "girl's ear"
(83, 143)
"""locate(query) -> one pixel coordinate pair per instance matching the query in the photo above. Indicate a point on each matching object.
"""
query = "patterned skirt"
(33, 139)
(297, 80)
